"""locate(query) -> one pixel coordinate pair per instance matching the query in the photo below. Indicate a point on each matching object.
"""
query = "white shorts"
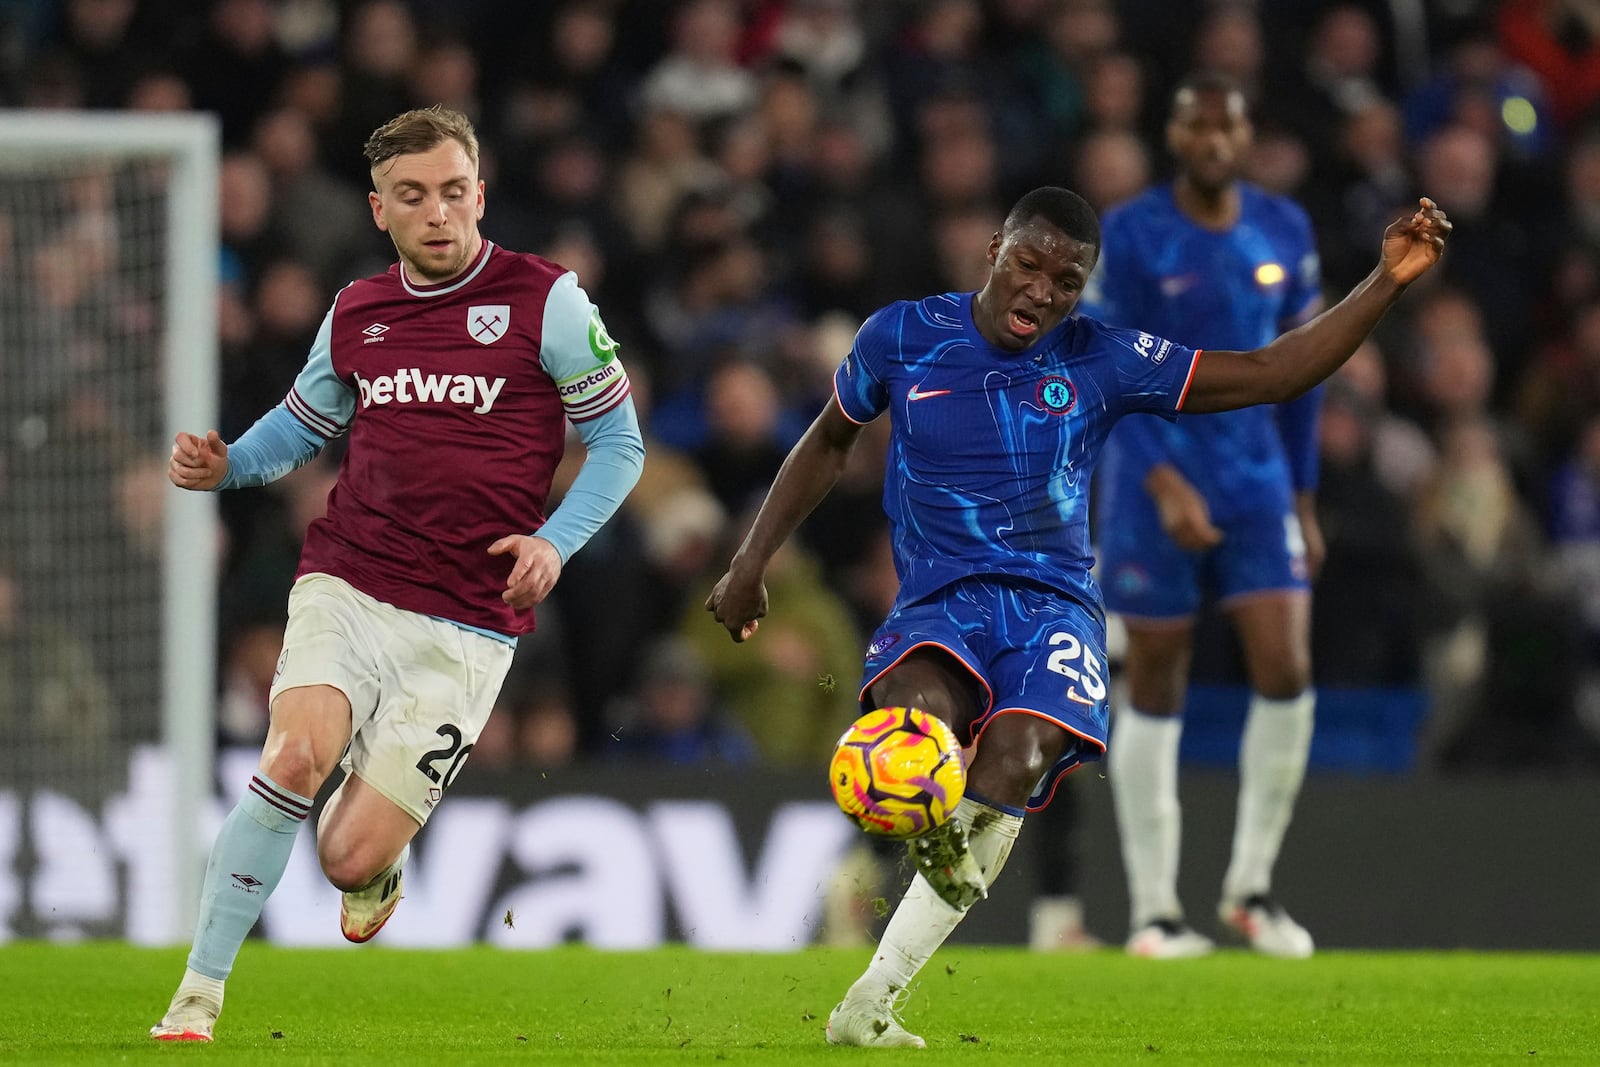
(420, 689)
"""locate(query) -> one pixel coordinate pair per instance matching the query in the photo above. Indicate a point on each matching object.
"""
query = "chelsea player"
(1219, 503)
(998, 405)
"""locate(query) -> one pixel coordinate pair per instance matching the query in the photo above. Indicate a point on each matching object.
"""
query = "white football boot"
(362, 912)
(190, 1018)
(1268, 929)
(1168, 939)
(870, 1022)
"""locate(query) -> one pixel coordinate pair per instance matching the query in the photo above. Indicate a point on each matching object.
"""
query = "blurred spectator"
(1110, 166)
(159, 91)
(1116, 97)
(1502, 654)
(1575, 533)
(1338, 77)
(533, 725)
(379, 51)
(1364, 616)
(795, 688)
(674, 716)
(445, 72)
(1230, 41)
(743, 447)
(245, 213)
(234, 64)
(330, 228)
(1364, 186)
(957, 230)
(249, 661)
(1499, 263)
(1478, 83)
(827, 43)
(1057, 60)
(101, 46)
(701, 78)
(1280, 162)
(1560, 393)
(1560, 41)
(666, 164)
(56, 707)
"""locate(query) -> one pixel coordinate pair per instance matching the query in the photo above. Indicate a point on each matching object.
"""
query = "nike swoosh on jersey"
(1072, 694)
(1177, 285)
(919, 394)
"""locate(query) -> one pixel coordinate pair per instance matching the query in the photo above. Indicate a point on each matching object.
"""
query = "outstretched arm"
(812, 467)
(1305, 356)
(198, 462)
(277, 444)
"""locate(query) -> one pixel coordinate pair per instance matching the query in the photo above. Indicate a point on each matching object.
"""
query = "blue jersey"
(992, 451)
(1236, 289)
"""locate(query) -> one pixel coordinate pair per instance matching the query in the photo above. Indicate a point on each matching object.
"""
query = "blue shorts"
(1145, 575)
(1029, 650)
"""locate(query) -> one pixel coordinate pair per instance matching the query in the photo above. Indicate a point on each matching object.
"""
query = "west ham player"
(998, 405)
(1221, 504)
(455, 374)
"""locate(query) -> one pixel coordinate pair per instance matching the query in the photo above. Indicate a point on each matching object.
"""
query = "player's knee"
(292, 763)
(1286, 678)
(1007, 774)
(1009, 780)
(347, 866)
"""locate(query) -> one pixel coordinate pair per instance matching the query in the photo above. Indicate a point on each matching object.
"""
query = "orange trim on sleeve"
(842, 411)
(1193, 364)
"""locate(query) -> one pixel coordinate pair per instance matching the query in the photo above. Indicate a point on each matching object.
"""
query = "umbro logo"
(375, 332)
(248, 882)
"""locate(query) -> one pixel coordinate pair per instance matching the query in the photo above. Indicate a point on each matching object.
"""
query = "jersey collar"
(458, 282)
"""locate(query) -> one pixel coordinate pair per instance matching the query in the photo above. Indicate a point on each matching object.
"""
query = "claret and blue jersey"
(991, 458)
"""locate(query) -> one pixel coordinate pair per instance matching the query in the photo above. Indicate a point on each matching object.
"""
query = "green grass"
(92, 1003)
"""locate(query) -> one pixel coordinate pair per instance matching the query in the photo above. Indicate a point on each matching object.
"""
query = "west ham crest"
(487, 323)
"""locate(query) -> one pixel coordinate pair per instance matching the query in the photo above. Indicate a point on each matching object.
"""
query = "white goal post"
(108, 344)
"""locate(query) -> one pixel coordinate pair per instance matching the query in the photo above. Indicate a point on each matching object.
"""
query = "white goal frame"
(190, 142)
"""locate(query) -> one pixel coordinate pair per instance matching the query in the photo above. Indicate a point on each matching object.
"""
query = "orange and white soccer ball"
(898, 772)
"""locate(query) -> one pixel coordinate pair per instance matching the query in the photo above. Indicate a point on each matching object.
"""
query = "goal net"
(108, 248)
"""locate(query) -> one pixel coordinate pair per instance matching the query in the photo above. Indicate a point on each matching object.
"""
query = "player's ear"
(480, 198)
(376, 202)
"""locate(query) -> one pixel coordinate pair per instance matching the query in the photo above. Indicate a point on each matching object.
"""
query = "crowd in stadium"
(737, 183)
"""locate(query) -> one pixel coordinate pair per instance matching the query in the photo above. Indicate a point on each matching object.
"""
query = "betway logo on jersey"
(408, 385)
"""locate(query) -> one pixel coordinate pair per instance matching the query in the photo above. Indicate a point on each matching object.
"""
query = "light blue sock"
(247, 860)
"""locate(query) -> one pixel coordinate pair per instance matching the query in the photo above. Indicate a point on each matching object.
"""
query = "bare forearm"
(807, 474)
(1308, 354)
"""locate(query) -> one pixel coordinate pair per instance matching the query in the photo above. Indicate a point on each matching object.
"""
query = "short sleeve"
(1153, 373)
(859, 381)
(1305, 298)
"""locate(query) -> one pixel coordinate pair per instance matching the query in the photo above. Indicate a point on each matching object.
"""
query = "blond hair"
(420, 130)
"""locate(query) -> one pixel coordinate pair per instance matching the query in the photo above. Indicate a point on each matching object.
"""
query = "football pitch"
(92, 1003)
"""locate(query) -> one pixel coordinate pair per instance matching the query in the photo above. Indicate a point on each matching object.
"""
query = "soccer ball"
(897, 772)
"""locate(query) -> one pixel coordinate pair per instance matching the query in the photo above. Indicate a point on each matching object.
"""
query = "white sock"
(990, 835)
(1143, 766)
(197, 984)
(923, 920)
(1272, 764)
